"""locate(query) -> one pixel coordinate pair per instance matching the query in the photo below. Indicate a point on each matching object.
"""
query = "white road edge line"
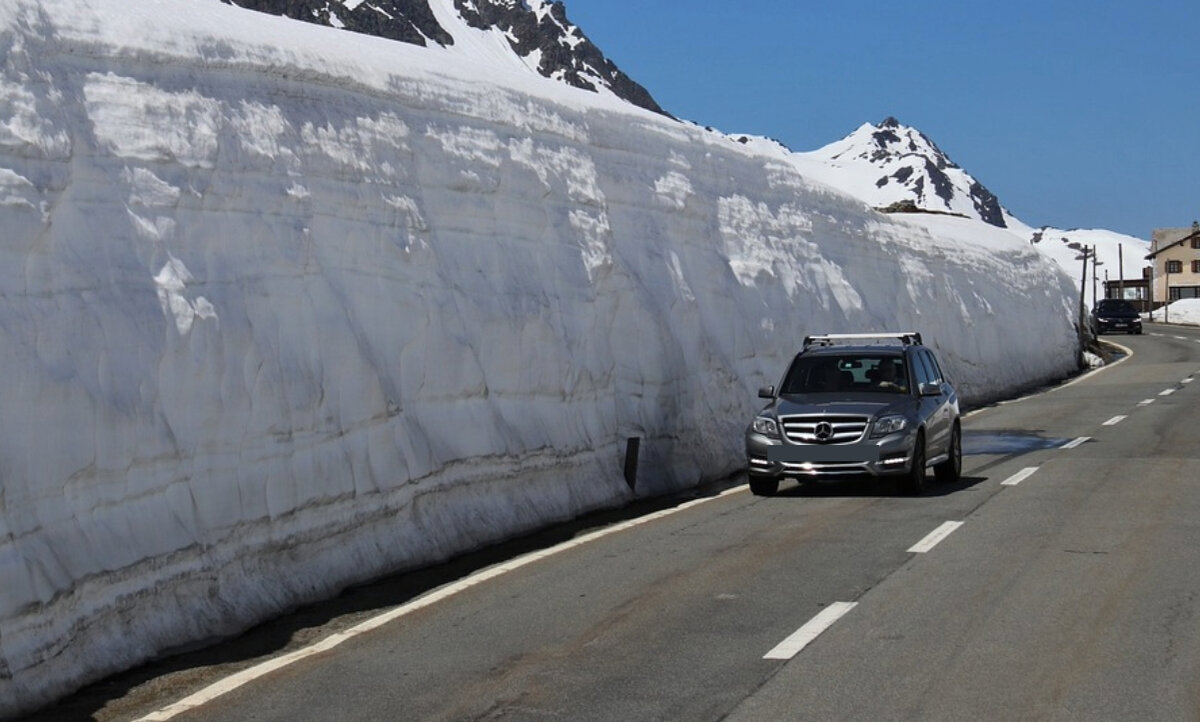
(1076, 442)
(1078, 379)
(1020, 476)
(800, 639)
(935, 537)
(1115, 420)
(262, 669)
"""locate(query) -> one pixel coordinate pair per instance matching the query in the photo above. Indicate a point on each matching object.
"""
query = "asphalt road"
(1058, 581)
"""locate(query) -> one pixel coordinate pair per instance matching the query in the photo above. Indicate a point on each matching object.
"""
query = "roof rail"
(906, 338)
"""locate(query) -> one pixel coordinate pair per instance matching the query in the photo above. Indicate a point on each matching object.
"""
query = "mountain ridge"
(904, 164)
(538, 32)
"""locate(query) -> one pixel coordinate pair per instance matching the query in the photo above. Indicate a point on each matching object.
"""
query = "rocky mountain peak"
(909, 167)
(541, 30)
(537, 31)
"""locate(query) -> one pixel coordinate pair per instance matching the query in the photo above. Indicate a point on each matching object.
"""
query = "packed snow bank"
(281, 315)
(1184, 311)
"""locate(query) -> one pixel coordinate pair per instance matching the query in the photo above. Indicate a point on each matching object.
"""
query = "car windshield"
(1111, 305)
(872, 373)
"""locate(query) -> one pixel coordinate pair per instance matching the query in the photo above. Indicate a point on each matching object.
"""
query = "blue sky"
(1076, 114)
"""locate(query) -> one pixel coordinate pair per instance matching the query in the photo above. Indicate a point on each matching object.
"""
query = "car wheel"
(950, 470)
(914, 483)
(763, 486)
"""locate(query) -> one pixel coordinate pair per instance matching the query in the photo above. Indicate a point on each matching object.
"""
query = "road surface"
(1058, 580)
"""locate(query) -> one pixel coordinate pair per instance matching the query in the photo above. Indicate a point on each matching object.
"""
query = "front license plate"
(794, 453)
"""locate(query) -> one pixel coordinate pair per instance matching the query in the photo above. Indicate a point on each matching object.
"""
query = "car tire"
(950, 470)
(763, 486)
(914, 483)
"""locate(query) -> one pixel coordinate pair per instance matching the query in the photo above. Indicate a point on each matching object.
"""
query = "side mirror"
(931, 389)
(766, 392)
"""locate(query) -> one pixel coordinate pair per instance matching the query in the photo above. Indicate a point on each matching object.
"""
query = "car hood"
(840, 404)
(1117, 314)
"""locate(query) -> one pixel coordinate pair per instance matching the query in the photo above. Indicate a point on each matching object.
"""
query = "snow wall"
(273, 325)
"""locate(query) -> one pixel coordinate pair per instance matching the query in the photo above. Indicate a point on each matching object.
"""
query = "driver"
(889, 376)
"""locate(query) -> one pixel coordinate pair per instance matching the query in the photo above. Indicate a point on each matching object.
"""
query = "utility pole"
(1082, 293)
(1095, 273)
(1167, 292)
(1120, 271)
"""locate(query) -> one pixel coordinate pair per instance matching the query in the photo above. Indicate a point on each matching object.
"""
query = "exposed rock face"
(538, 32)
(911, 160)
(409, 21)
(565, 52)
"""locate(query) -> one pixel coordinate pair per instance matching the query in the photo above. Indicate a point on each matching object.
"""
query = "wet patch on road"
(1007, 442)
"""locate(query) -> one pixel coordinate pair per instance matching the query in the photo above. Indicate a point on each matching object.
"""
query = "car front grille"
(803, 429)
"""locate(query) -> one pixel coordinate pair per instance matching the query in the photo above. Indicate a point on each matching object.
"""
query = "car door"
(936, 409)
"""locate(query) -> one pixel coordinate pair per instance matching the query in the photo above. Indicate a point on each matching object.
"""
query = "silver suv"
(857, 404)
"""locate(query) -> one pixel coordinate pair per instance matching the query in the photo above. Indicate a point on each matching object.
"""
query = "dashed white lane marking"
(1020, 476)
(1166, 392)
(262, 669)
(1114, 420)
(1145, 402)
(800, 639)
(1076, 442)
(1188, 380)
(935, 537)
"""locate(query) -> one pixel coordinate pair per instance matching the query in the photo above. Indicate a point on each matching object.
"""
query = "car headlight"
(885, 425)
(766, 427)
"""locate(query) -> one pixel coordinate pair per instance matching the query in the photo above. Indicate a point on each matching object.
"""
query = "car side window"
(935, 371)
(921, 366)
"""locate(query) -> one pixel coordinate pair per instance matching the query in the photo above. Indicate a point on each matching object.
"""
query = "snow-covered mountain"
(535, 33)
(281, 312)
(1116, 255)
(894, 167)
(891, 164)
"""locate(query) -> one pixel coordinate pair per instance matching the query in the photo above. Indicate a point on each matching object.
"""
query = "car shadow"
(869, 487)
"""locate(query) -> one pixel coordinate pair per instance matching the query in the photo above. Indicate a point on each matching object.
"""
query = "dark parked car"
(1116, 314)
(857, 404)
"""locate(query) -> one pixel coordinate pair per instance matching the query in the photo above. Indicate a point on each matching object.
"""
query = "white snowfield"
(1185, 311)
(283, 309)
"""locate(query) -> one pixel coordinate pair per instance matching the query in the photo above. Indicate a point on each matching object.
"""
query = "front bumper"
(886, 456)
(1126, 325)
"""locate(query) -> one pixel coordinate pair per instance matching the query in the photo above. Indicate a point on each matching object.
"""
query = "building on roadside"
(1175, 262)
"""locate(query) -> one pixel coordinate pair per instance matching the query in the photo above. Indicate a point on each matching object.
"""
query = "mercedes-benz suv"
(857, 405)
